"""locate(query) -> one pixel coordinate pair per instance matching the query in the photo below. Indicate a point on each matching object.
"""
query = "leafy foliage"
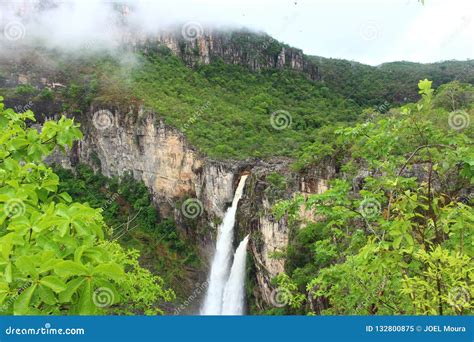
(54, 256)
(128, 209)
(225, 109)
(399, 241)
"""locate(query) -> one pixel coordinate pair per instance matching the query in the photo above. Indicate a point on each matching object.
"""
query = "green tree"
(54, 254)
(400, 240)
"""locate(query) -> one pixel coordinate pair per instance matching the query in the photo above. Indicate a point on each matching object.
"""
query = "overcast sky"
(368, 31)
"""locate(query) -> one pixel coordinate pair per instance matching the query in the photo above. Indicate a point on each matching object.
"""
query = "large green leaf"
(86, 305)
(110, 271)
(54, 283)
(21, 305)
(70, 268)
(71, 288)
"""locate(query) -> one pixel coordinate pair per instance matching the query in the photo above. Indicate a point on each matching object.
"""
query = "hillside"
(341, 178)
(235, 94)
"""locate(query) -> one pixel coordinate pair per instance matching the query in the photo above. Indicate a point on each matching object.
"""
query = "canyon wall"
(255, 51)
(174, 171)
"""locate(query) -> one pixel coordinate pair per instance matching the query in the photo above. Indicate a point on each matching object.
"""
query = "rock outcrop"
(174, 171)
(270, 235)
(256, 51)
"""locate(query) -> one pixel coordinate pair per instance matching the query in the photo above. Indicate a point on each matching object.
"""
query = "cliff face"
(270, 236)
(255, 51)
(174, 171)
(116, 142)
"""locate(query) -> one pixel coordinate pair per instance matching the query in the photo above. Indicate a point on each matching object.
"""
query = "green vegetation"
(226, 109)
(134, 222)
(400, 242)
(390, 236)
(394, 82)
(232, 106)
(55, 257)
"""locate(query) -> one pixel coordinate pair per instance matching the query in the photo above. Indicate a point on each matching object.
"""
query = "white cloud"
(369, 31)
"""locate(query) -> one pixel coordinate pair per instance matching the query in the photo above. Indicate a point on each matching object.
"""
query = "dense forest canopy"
(278, 111)
(400, 242)
(391, 235)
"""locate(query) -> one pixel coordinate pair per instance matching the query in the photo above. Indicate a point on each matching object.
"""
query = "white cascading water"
(234, 291)
(220, 266)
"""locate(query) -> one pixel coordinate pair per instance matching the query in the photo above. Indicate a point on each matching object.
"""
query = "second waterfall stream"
(225, 292)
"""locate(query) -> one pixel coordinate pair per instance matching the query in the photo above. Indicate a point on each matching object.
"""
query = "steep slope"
(235, 94)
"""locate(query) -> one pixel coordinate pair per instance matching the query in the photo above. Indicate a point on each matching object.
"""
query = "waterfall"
(233, 302)
(220, 266)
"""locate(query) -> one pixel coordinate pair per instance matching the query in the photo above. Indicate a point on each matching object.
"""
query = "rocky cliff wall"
(256, 51)
(160, 156)
(270, 236)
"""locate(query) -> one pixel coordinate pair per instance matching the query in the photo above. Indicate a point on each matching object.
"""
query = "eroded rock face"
(159, 156)
(173, 170)
(253, 50)
(153, 153)
(270, 235)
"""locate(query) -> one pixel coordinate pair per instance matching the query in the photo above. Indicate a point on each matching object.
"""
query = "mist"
(364, 31)
(77, 25)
